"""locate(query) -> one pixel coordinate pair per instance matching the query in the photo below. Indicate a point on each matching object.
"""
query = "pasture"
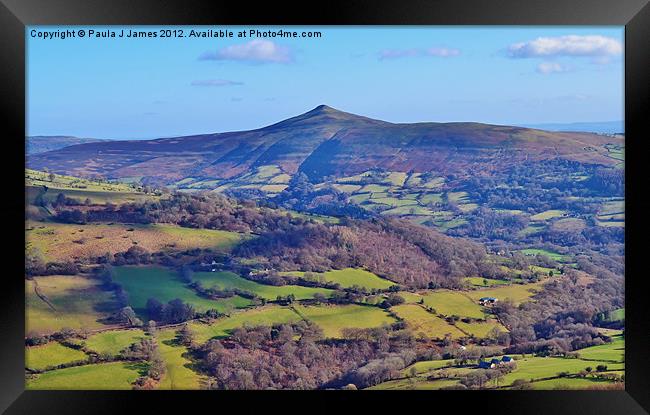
(518, 293)
(142, 283)
(611, 352)
(62, 242)
(72, 301)
(178, 376)
(449, 303)
(553, 255)
(113, 341)
(261, 316)
(425, 324)
(333, 319)
(414, 384)
(568, 383)
(228, 280)
(548, 214)
(349, 277)
(533, 368)
(426, 366)
(51, 354)
(480, 329)
(484, 282)
(104, 376)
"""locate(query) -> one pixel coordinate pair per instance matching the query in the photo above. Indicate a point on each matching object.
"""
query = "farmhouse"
(484, 365)
(487, 300)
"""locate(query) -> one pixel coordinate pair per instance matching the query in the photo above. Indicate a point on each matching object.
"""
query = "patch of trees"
(175, 311)
(300, 195)
(560, 319)
(206, 210)
(271, 358)
(409, 254)
(148, 351)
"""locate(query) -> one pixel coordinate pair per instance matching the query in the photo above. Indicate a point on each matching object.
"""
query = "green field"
(480, 330)
(409, 210)
(394, 202)
(228, 280)
(349, 277)
(178, 376)
(142, 283)
(333, 319)
(51, 354)
(552, 255)
(531, 368)
(262, 316)
(74, 302)
(431, 198)
(568, 383)
(105, 376)
(374, 188)
(80, 189)
(548, 214)
(518, 293)
(484, 282)
(414, 384)
(62, 242)
(347, 188)
(427, 366)
(425, 324)
(614, 351)
(451, 303)
(113, 341)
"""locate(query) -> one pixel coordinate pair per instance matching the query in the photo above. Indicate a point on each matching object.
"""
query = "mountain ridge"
(324, 142)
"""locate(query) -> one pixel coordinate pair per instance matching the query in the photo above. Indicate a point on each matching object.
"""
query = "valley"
(328, 250)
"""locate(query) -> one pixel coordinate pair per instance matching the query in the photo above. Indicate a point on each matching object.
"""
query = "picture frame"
(16, 15)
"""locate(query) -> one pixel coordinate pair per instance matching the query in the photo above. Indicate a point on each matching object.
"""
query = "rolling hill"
(42, 143)
(325, 142)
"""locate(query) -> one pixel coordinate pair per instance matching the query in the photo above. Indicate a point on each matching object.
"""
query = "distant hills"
(322, 143)
(606, 127)
(42, 143)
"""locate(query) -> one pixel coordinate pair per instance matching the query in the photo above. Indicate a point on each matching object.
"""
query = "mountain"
(326, 142)
(42, 143)
(604, 127)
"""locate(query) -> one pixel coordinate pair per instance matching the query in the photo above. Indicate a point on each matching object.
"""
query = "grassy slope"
(425, 323)
(79, 303)
(348, 277)
(178, 375)
(450, 303)
(333, 319)
(105, 376)
(113, 341)
(51, 354)
(267, 315)
(229, 280)
(59, 241)
(142, 283)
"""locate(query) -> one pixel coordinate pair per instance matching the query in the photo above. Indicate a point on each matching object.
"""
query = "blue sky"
(161, 87)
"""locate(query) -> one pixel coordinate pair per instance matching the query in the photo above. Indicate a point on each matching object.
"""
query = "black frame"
(16, 14)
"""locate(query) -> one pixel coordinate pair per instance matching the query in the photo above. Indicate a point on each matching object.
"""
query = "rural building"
(487, 300)
(485, 365)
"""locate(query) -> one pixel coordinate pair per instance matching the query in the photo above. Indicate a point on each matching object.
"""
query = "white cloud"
(397, 53)
(442, 52)
(406, 53)
(594, 46)
(550, 67)
(215, 82)
(255, 51)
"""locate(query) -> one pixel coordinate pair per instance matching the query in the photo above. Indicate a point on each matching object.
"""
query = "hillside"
(325, 142)
(43, 143)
